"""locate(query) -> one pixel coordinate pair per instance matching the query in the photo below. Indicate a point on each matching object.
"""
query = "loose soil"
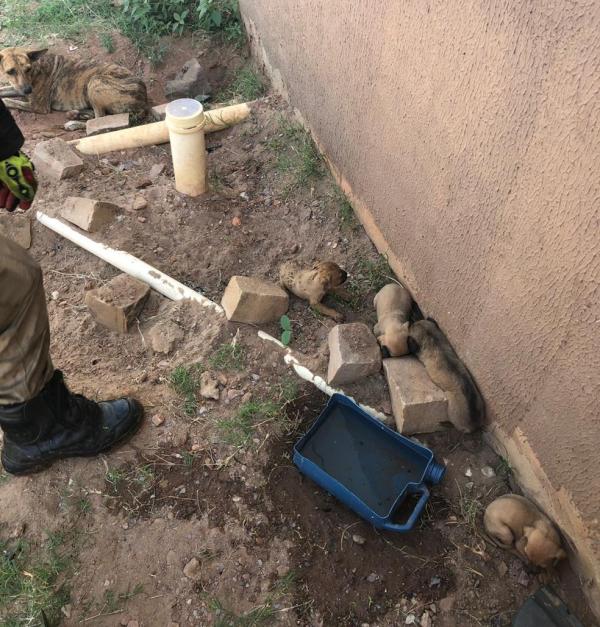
(272, 547)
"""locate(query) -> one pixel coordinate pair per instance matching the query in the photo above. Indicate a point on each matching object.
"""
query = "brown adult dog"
(393, 304)
(446, 370)
(52, 82)
(515, 523)
(312, 285)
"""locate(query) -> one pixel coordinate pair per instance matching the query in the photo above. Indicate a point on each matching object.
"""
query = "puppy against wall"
(465, 405)
(393, 304)
(312, 285)
(515, 523)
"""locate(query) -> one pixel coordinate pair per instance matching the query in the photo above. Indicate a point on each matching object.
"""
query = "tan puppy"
(393, 304)
(513, 522)
(52, 82)
(312, 285)
(465, 405)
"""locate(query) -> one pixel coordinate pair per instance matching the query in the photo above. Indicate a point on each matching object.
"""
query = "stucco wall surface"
(468, 136)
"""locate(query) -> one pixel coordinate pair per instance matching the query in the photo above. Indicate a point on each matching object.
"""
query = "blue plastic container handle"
(419, 507)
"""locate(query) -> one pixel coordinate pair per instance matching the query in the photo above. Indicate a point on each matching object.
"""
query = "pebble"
(502, 569)
(411, 619)
(133, 623)
(236, 499)
(447, 603)
(523, 579)
(143, 183)
(141, 219)
(434, 581)
(245, 196)
(157, 420)
(139, 202)
(468, 472)
(488, 471)
(54, 295)
(236, 221)
(358, 539)
(192, 569)
(373, 577)
(209, 386)
(156, 170)
(66, 610)
(426, 620)
(74, 125)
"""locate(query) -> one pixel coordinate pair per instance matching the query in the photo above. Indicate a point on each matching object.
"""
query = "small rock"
(138, 203)
(468, 472)
(156, 170)
(158, 419)
(411, 619)
(358, 539)
(502, 569)
(164, 336)
(523, 579)
(233, 394)
(236, 221)
(143, 183)
(209, 386)
(434, 582)
(133, 623)
(294, 249)
(426, 620)
(222, 378)
(373, 577)
(469, 485)
(66, 610)
(125, 526)
(447, 603)
(54, 295)
(192, 569)
(245, 196)
(75, 125)
(236, 499)
(141, 219)
(488, 472)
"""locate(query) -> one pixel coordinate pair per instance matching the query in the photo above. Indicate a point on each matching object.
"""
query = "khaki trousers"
(25, 365)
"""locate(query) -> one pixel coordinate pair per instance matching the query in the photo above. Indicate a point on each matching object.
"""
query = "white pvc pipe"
(128, 263)
(304, 373)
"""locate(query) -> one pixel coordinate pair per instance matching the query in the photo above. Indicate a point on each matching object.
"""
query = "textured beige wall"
(468, 134)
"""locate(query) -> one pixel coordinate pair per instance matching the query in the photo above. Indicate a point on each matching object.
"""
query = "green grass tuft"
(297, 156)
(246, 85)
(185, 381)
(229, 356)
(32, 581)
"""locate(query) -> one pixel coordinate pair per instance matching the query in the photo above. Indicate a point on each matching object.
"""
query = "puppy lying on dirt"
(312, 285)
(393, 304)
(52, 82)
(513, 522)
(446, 370)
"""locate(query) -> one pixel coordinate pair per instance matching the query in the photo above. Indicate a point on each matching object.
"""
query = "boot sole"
(39, 466)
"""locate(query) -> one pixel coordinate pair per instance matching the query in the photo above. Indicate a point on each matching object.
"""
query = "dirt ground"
(213, 481)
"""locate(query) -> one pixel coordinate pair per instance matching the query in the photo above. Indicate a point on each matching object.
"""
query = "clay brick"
(419, 406)
(353, 353)
(159, 112)
(88, 214)
(107, 123)
(252, 300)
(56, 160)
(16, 228)
(116, 304)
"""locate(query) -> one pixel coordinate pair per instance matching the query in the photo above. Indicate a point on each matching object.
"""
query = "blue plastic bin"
(366, 465)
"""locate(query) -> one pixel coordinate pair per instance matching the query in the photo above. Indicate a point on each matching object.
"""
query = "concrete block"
(116, 304)
(16, 228)
(252, 300)
(107, 123)
(88, 214)
(353, 353)
(56, 160)
(419, 406)
(159, 112)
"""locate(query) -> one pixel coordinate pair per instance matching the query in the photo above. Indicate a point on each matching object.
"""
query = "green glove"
(18, 184)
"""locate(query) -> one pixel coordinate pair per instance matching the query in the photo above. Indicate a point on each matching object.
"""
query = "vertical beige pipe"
(185, 121)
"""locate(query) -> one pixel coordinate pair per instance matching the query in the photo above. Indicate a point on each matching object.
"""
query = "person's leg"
(41, 420)
(25, 365)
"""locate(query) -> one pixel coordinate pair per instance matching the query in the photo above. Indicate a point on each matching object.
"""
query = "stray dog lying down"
(52, 82)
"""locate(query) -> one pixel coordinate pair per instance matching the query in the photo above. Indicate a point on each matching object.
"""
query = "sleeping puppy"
(513, 522)
(312, 285)
(393, 304)
(446, 370)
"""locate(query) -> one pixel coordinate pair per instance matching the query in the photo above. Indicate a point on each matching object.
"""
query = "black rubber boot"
(57, 424)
